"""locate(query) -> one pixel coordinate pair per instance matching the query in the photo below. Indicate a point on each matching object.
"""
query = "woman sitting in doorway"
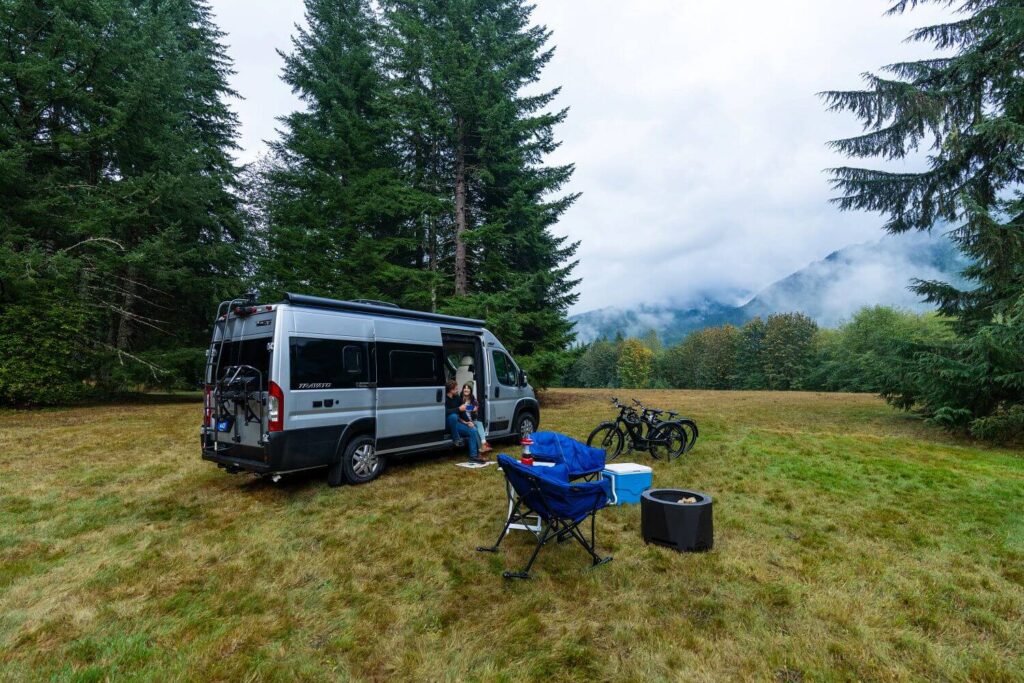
(471, 416)
(460, 430)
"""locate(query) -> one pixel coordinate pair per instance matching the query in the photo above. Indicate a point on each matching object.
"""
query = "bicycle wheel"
(691, 432)
(608, 437)
(669, 437)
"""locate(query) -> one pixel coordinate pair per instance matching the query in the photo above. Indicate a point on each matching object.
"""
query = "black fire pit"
(665, 520)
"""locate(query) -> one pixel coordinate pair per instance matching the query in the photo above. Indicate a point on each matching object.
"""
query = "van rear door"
(238, 377)
(410, 384)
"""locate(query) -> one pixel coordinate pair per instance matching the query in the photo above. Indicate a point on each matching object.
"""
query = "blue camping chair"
(562, 505)
(581, 461)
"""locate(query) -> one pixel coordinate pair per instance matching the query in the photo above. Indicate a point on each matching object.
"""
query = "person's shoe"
(459, 444)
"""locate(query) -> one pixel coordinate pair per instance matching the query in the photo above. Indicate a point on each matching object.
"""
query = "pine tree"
(478, 144)
(340, 220)
(178, 216)
(115, 182)
(966, 108)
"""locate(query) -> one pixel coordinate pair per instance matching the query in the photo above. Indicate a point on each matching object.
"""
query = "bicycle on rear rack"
(631, 431)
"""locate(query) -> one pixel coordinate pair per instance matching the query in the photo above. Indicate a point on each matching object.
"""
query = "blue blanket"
(578, 458)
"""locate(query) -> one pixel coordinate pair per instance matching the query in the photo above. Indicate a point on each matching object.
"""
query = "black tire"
(608, 437)
(671, 437)
(361, 463)
(525, 423)
(691, 432)
(653, 447)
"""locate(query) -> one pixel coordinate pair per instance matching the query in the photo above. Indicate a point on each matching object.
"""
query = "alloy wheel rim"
(364, 460)
(526, 426)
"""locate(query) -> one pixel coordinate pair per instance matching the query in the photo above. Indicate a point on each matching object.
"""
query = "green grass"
(851, 542)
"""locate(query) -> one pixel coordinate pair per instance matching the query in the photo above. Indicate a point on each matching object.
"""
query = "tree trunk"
(124, 328)
(432, 255)
(460, 214)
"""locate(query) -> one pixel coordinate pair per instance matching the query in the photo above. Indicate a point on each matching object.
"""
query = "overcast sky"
(698, 140)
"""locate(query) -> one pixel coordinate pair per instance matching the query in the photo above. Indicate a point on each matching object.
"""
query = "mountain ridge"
(829, 291)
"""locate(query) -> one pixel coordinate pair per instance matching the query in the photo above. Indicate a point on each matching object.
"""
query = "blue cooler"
(629, 480)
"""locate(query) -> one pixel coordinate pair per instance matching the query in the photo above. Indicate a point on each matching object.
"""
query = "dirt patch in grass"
(851, 543)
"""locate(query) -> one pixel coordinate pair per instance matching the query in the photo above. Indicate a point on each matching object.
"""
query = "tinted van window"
(326, 363)
(505, 369)
(410, 365)
(251, 352)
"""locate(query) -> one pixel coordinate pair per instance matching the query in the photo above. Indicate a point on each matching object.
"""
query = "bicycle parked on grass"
(632, 431)
(686, 423)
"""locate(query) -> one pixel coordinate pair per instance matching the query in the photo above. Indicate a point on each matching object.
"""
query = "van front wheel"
(525, 424)
(361, 462)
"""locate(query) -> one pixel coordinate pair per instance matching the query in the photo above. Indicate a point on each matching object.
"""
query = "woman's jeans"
(461, 431)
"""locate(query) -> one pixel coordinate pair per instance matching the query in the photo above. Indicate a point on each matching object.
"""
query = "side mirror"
(522, 378)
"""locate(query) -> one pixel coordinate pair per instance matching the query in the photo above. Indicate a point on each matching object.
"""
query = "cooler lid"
(627, 468)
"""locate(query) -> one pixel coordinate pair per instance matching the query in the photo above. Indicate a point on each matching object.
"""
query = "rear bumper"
(235, 457)
(287, 451)
(235, 463)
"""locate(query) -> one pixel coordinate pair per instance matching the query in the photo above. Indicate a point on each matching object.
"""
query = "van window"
(326, 363)
(252, 352)
(412, 366)
(505, 369)
(352, 359)
(409, 365)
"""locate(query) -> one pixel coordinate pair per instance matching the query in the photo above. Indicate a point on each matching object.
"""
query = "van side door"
(410, 385)
(505, 391)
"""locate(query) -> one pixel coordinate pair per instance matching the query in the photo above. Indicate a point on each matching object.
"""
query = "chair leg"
(578, 535)
(525, 572)
(511, 520)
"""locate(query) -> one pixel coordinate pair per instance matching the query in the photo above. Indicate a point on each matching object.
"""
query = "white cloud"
(697, 136)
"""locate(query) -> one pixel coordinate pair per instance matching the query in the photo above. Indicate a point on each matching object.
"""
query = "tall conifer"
(966, 108)
(340, 219)
(463, 68)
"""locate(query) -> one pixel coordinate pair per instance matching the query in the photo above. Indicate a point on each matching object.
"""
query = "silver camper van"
(347, 385)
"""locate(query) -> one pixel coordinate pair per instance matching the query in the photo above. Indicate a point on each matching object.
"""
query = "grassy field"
(851, 542)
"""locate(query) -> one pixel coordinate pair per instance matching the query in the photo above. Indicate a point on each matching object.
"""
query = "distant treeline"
(876, 351)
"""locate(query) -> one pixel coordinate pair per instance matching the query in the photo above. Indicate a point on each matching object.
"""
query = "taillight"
(207, 407)
(275, 408)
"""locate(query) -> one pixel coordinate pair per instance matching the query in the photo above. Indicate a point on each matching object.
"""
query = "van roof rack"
(377, 308)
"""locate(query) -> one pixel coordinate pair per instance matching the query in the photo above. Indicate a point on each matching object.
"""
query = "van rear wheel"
(361, 463)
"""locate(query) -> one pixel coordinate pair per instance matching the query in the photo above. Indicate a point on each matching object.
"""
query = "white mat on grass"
(473, 465)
